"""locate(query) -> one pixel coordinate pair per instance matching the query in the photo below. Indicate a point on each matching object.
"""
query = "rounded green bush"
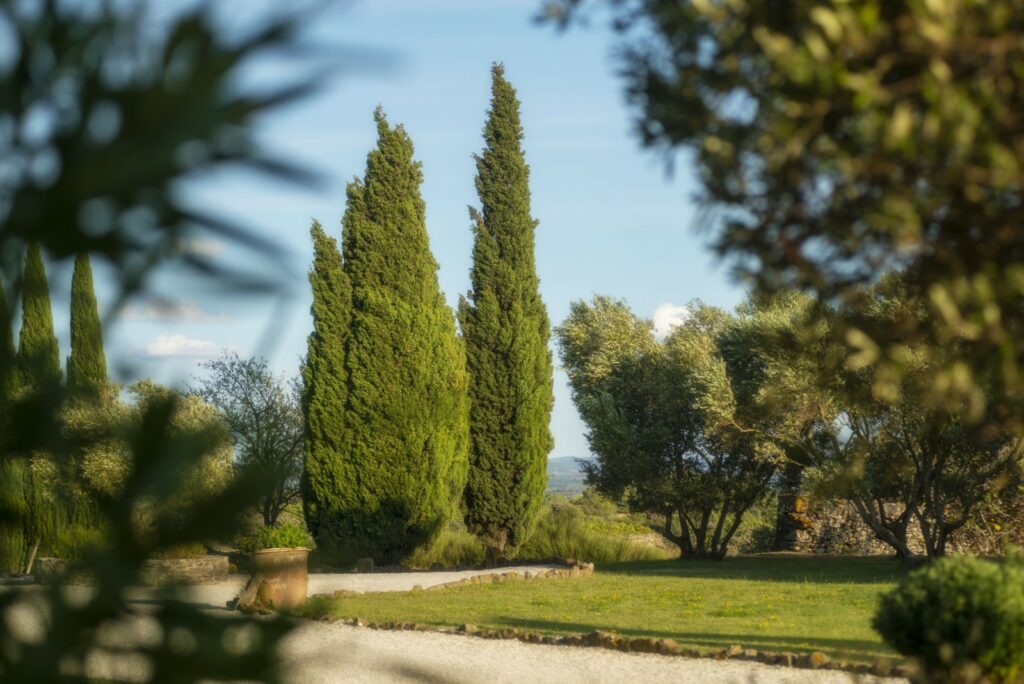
(280, 536)
(962, 619)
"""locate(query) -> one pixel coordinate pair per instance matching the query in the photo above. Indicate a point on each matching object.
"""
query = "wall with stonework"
(156, 572)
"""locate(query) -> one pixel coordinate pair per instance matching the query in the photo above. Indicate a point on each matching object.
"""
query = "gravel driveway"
(333, 652)
(217, 594)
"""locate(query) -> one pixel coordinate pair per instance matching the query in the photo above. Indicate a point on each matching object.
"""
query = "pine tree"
(506, 329)
(406, 415)
(324, 388)
(87, 365)
(38, 358)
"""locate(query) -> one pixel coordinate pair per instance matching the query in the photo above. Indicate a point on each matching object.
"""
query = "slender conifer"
(87, 365)
(506, 329)
(38, 358)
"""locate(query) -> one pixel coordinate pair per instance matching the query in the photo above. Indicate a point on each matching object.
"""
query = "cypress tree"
(8, 375)
(406, 408)
(38, 358)
(324, 387)
(12, 537)
(506, 330)
(87, 365)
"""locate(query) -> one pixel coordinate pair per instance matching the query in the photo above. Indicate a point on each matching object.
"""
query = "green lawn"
(777, 603)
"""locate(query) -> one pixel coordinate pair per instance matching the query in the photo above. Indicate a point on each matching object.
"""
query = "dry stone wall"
(155, 572)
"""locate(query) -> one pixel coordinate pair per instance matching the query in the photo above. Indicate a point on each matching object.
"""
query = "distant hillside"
(565, 476)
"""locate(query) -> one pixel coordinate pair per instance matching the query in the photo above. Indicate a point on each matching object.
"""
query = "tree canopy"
(835, 142)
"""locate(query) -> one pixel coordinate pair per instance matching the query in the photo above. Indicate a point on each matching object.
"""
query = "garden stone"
(668, 647)
(731, 652)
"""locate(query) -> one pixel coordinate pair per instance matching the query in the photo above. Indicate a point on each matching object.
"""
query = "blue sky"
(611, 220)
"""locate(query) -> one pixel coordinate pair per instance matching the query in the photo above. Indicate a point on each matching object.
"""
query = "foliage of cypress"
(87, 365)
(406, 419)
(12, 537)
(324, 387)
(38, 358)
(506, 329)
(8, 377)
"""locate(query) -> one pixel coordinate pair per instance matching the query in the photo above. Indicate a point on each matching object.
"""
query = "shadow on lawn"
(772, 568)
(847, 648)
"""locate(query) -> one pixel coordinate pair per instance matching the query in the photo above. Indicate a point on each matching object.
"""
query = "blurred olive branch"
(103, 116)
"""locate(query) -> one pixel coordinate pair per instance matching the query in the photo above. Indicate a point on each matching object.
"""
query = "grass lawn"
(776, 603)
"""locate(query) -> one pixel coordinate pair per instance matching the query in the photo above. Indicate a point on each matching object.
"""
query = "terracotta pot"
(285, 576)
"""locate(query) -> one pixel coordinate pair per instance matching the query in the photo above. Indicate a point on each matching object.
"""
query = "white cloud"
(203, 247)
(164, 309)
(170, 346)
(668, 316)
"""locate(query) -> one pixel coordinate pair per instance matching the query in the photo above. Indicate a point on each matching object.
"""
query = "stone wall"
(836, 528)
(155, 572)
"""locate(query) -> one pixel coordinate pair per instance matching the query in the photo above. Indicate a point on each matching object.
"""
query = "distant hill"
(565, 476)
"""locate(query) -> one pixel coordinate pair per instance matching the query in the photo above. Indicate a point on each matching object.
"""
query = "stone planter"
(285, 576)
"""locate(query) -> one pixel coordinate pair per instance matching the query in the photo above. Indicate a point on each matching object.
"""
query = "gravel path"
(322, 652)
(216, 594)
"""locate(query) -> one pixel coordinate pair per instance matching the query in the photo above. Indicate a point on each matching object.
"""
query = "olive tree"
(662, 421)
(265, 419)
(900, 460)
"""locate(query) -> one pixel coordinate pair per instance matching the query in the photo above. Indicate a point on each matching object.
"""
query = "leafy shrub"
(593, 503)
(962, 618)
(756, 533)
(280, 536)
(564, 531)
(193, 550)
(453, 547)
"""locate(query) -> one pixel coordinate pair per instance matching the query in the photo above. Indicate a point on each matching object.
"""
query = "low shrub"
(280, 536)
(564, 531)
(455, 546)
(961, 618)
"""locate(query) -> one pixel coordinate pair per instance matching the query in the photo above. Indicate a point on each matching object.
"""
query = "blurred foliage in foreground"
(105, 110)
(838, 141)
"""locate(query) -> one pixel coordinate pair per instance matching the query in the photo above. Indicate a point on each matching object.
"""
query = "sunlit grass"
(776, 603)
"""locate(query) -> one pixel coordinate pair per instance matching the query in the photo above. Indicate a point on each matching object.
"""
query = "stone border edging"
(815, 660)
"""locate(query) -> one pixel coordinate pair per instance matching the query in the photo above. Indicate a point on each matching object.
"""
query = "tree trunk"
(791, 517)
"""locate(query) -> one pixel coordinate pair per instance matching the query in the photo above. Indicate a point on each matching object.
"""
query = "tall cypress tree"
(87, 365)
(12, 537)
(38, 358)
(506, 329)
(406, 413)
(8, 376)
(324, 388)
